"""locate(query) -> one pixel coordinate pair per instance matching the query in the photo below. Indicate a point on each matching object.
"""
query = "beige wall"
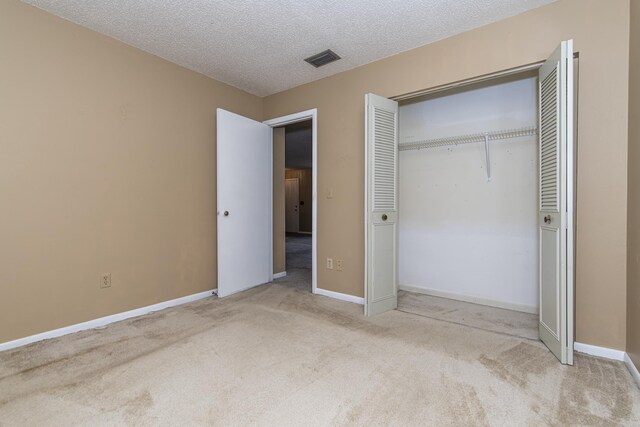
(279, 235)
(107, 165)
(600, 29)
(108, 162)
(633, 215)
(305, 182)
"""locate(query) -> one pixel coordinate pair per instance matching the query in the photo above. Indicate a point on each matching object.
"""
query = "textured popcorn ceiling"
(259, 45)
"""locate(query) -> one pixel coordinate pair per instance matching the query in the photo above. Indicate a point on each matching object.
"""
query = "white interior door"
(556, 202)
(244, 180)
(381, 210)
(292, 199)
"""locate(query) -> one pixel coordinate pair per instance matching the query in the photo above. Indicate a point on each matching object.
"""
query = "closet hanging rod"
(466, 139)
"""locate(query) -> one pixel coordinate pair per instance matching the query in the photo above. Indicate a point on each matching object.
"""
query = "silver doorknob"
(547, 219)
(226, 213)
(384, 217)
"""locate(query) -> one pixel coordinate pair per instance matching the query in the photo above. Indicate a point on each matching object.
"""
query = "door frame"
(302, 116)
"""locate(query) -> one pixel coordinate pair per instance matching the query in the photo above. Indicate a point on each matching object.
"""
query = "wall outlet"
(339, 264)
(330, 263)
(105, 282)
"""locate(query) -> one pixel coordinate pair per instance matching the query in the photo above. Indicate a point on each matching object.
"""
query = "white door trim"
(571, 200)
(287, 120)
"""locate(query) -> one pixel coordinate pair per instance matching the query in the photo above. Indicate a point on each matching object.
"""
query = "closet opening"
(470, 202)
(468, 248)
(470, 168)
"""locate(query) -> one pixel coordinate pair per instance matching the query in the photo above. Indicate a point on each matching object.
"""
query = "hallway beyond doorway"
(298, 267)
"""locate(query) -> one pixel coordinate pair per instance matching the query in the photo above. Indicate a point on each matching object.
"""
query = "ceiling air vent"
(322, 58)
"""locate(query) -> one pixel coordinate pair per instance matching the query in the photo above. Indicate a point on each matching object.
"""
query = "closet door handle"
(547, 219)
(226, 213)
(384, 217)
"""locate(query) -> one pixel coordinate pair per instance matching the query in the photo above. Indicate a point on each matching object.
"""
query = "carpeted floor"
(508, 322)
(298, 252)
(298, 262)
(278, 355)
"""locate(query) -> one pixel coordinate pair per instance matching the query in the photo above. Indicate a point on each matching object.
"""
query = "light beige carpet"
(277, 355)
(508, 322)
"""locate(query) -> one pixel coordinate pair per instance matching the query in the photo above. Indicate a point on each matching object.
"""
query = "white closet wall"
(458, 233)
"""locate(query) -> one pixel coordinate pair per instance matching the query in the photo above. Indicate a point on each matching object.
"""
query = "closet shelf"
(470, 138)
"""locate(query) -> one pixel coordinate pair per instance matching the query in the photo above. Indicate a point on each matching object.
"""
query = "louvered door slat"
(384, 165)
(549, 143)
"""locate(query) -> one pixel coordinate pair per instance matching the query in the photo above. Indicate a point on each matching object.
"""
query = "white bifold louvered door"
(556, 202)
(381, 210)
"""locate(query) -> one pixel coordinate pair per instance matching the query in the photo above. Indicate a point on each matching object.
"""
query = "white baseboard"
(338, 295)
(469, 298)
(594, 350)
(102, 321)
(632, 368)
(279, 275)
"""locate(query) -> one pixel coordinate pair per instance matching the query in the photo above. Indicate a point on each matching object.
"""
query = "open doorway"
(294, 197)
(298, 162)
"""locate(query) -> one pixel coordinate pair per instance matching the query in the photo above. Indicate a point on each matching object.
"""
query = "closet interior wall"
(460, 234)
